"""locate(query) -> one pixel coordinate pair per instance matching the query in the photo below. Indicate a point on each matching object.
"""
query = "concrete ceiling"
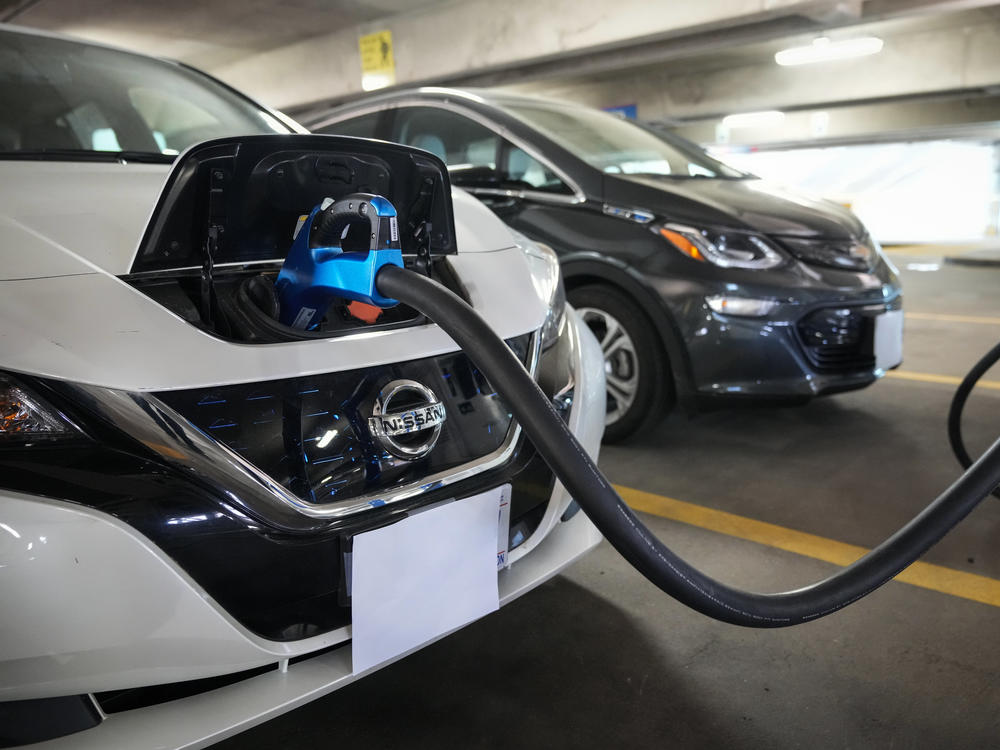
(204, 33)
(725, 54)
(915, 41)
(305, 52)
(683, 63)
(938, 76)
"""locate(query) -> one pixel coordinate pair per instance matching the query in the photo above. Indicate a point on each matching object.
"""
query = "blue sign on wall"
(631, 111)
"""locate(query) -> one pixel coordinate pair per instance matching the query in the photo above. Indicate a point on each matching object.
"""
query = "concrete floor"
(598, 658)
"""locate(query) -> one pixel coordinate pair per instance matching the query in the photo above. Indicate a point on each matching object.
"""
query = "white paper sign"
(422, 577)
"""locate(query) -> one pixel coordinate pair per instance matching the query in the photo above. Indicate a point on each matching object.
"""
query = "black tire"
(642, 365)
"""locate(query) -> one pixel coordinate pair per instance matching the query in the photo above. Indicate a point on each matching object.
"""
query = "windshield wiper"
(671, 176)
(79, 154)
(742, 176)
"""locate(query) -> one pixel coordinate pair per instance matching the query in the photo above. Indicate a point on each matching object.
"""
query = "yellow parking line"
(927, 377)
(938, 251)
(954, 318)
(934, 250)
(935, 577)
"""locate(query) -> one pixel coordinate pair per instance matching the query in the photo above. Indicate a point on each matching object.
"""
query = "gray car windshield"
(65, 98)
(618, 146)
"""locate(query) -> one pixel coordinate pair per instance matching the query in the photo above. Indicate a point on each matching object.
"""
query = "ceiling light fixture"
(754, 119)
(375, 81)
(823, 50)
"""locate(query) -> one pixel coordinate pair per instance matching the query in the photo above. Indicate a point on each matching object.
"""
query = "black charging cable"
(622, 528)
(965, 388)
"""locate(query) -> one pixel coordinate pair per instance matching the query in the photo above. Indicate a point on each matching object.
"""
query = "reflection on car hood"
(61, 218)
(70, 218)
(751, 204)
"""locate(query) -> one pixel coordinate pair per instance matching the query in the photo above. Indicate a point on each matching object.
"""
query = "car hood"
(743, 203)
(68, 218)
(72, 218)
(69, 230)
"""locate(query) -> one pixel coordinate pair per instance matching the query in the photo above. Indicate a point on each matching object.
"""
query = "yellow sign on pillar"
(378, 67)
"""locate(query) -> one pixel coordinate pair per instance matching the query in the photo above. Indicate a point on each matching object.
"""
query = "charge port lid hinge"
(216, 228)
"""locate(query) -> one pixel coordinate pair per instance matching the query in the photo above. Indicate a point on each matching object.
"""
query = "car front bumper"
(92, 605)
(785, 353)
(767, 357)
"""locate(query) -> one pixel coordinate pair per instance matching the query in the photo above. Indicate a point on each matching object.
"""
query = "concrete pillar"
(993, 219)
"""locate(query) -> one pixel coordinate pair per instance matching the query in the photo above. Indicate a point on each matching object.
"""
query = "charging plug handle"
(329, 224)
(318, 270)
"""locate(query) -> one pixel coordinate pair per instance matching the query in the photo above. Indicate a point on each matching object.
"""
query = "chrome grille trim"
(181, 444)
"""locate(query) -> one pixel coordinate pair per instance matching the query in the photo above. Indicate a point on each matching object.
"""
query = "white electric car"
(207, 516)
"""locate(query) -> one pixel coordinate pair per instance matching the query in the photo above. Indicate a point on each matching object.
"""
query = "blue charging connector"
(318, 270)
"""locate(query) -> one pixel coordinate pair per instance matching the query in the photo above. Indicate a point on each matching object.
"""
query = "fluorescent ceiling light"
(754, 119)
(823, 50)
(374, 81)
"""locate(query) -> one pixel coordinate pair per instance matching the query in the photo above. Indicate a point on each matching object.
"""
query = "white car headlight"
(24, 417)
(547, 277)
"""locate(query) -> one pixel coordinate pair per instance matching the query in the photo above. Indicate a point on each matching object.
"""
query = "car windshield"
(618, 146)
(65, 98)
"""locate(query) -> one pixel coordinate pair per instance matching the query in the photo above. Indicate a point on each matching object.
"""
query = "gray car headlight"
(845, 254)
(727, 248)
(546, 275)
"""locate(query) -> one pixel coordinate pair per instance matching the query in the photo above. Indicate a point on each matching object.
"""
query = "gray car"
(701, 282)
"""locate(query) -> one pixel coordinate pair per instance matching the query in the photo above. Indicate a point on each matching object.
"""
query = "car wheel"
(637, 373)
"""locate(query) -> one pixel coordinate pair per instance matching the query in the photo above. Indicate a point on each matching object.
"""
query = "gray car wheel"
(633, 364)
(621, 362)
